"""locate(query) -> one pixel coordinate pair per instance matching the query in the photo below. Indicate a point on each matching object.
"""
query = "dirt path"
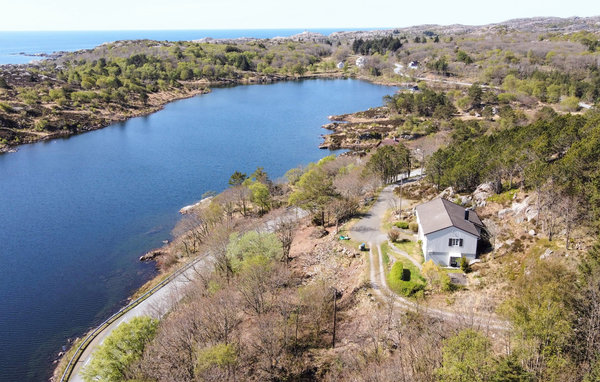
(369, 231)
(405, 255)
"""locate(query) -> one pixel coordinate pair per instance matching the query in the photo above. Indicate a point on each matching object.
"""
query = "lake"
(76, 213)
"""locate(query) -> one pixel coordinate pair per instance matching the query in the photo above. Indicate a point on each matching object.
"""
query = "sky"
(23, 15)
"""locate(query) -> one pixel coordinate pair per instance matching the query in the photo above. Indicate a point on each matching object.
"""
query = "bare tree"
(285, 229)
(195, 227)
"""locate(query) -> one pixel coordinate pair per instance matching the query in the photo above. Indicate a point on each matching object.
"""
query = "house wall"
(440, 258)
(435, 245)
(438, 242)
(422, 237)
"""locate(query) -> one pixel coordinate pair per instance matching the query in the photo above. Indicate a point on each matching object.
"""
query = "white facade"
(361, 61)
(439, 247)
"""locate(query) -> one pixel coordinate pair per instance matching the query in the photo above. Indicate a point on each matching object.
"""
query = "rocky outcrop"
(448, 193)
(152, 255)
(482, 193)
(524, 210)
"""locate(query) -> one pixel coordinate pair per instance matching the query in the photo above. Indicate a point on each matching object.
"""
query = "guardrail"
(75, 358)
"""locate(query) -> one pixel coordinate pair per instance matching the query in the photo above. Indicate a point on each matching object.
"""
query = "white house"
(448, 232)
(361, 61)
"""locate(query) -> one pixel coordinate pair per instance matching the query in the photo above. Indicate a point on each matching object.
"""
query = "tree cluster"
(556, 157)
(380, 45)
(426, 103)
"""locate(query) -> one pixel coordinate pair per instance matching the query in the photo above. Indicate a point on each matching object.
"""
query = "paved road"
(165, 298)
(155, 306)
(368, 230)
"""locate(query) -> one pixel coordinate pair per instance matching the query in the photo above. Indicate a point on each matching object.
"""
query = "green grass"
(385, 257)
(387, 220)
(412, 248)
(405, 286)
(504, 198)
(6, 107)
(401, 225)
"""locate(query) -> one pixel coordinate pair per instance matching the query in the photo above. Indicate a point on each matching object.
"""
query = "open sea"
(21, 47)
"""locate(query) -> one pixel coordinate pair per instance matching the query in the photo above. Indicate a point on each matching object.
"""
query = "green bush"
(6, 107)
(506, 97)
(397, 272)
(399, 280)
(401, 225)
(409, 288)
(464, 264)
(413, 227)
(504, 198)
(570, 104)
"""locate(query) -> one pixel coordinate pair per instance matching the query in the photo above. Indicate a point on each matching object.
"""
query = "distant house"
(340, 65)
(448, 232)
(413, 65)
(361, 61)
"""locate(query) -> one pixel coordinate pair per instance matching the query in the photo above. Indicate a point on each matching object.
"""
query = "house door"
(454, 261)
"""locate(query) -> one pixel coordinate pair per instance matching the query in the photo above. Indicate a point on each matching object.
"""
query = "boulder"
(482, 193)
(531, 232)
(504, 212)
(152, 255)
(465, 200)
(448, 193)
(524, 210)
(546, 254)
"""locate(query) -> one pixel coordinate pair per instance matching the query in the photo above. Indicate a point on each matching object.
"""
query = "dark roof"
(441, 213)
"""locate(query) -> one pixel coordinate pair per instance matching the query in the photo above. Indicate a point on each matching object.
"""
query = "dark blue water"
(76, 213)
(13, 43)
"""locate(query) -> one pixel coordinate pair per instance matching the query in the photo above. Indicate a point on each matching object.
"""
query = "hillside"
(543, 60)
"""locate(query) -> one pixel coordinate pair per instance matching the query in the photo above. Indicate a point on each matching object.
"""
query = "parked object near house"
(340, 65)
(448, 232)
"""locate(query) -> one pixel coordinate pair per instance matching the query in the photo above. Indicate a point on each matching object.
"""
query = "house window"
(455, 242)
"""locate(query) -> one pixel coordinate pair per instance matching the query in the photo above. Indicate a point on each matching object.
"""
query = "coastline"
(73, 343)
(160, 99)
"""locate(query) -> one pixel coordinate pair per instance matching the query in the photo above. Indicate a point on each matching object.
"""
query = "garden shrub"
(413, 227)
(402, 225)
(464, 264)
(396, 272)
(393, 235)
(399, 280)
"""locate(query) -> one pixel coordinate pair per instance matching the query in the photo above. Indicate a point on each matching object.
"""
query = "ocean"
(21, 47)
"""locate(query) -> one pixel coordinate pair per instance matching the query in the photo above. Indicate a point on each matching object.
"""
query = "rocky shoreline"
(95, 121)
(359, 131)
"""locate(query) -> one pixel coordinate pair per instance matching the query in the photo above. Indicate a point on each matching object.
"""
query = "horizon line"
(207, 29)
